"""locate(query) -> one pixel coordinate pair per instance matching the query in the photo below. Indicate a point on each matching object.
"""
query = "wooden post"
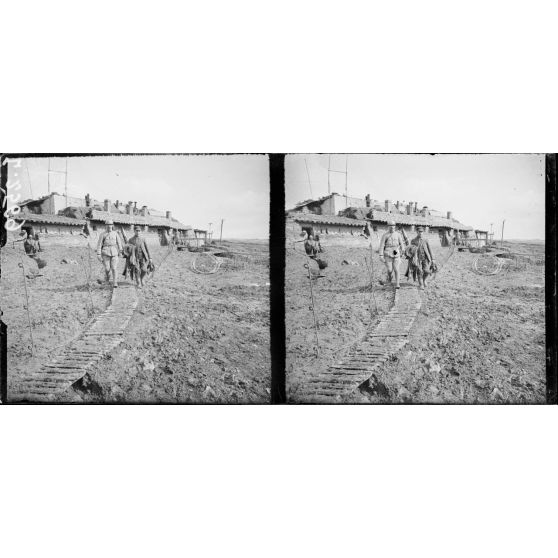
(221, 237)
(502, 241)
(27, 306)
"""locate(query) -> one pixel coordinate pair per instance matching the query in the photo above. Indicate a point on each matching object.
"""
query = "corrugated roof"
(47, 218)
(430, 221)
(139, 220)
(381, 217)
(327, 219)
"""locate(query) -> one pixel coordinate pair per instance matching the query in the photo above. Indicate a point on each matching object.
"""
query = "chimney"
(87, 200)
(130, 208)
(107, 205)
(397, 205)
(416, 207)
(117, 204)
(409, 209)
(169, 215)
(135, 207)
(367, 200)
(450, 215)
(387, 206)
(144, 211)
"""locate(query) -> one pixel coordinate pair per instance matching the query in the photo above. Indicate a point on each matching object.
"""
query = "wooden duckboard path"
(392, 333)
(341, 379)
(73, 361)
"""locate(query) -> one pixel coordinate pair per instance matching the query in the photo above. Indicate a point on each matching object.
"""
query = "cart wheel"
(205, 263)
(487, 265)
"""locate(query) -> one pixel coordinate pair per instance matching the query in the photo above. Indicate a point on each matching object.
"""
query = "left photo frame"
(130, 279)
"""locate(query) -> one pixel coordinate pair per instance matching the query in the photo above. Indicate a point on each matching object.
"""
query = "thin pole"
(66, 181)
(87, 278)
(502, 241)
(346, 179)
(221, 236)
(29, 177)
(308, 174)
(48, 176)
(27, 301)
(313, 309)
(328, 170)
(372, 275)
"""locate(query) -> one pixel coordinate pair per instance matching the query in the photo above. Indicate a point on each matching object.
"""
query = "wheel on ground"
(487, 265)
(205, 263)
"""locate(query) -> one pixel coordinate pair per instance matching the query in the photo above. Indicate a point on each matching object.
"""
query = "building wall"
(342, 202)
(336, 203)
(58, 202)
(50, 234)
(328, 206)
(336, 235)
(151, 237)
(70, 235)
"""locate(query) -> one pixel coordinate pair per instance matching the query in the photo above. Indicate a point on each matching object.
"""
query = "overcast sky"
(197, 189)
(479, 189)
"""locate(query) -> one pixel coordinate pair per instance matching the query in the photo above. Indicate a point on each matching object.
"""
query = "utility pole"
(345, 172)
(29, 177)
(64, 172)
(328, 171)
(309, 183)
(210, 232)
(502, 241)
(66, 181)
(221, 237)
(346, 178)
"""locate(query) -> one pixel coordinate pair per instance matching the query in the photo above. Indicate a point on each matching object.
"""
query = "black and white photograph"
(137, 279)
(415, 279)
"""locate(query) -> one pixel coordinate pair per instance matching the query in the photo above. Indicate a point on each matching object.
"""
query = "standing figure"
(391, 248)
(139, 259)
(310, 246)
(421, 261)
(30, 245)
(109, 248)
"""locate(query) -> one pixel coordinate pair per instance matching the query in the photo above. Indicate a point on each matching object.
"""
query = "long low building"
(72, 224)
(369, 218)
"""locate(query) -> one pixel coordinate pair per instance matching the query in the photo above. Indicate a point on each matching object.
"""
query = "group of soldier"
(136, 252)
(418, 253)
(393, 247)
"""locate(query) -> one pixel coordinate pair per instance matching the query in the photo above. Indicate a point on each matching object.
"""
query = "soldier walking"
(391, 247)
(109, 248)
(139, 258)
(421, 261)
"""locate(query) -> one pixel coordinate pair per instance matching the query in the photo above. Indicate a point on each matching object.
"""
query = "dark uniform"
(421, 259)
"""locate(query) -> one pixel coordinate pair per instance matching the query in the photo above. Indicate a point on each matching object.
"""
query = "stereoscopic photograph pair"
(257, 279)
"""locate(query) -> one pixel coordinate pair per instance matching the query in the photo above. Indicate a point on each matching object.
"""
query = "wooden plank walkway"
(342, 378)
(73, 361)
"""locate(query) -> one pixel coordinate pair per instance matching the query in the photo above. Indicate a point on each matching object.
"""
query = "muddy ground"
(478, 339)
(193, 338)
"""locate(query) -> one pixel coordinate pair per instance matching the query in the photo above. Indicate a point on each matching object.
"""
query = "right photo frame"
(415, 279)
